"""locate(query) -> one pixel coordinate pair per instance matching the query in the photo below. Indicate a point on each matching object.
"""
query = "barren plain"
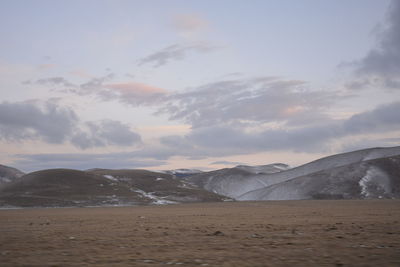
(269, 233)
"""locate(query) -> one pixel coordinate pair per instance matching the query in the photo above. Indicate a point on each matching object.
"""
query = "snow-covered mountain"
(377, 178)
(264, 169)
(345, 175)
(8, 174)
(236, 181)
(182, 172)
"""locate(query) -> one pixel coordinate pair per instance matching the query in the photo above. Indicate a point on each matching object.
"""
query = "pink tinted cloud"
(46, 66)
(137, 93)
(292, 110)
(189, 22)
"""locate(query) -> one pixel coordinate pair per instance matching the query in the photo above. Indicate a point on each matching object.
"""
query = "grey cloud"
(103, 133)
(228, 140)
(131, 93)
(382, 64)
(392, 141)
(32, 120)
(62, 84)
(383, 118)
(257, 100)
(94, 84)
(33, 162)
(224, 162)
(55, 81)
(174, 53)
(177, 142)
(55, 124)
(369, 142)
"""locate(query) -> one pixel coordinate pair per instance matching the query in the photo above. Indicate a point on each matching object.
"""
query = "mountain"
(368, 173)
(233, 182)
(182, 172)
(8, 174)
(99, 187)
(264, 169)
(377, 178)
(162, 188)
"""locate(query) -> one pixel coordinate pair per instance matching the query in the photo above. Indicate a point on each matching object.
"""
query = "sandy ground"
(281, 233)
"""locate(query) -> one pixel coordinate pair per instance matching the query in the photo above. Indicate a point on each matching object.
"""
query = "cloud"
(131, 93)
(189, 23)
(382, 64)
(62, 84)
(174, 52)
(135, 93)
(94, 85)
(229, 139)
(250, 101)
(362, 143)
(55, 124)
(34, 120)
(46, 66)
(55, 81)
(32, 162)
(224, 162)
(103, 133)
(224, 140)
(383, 118)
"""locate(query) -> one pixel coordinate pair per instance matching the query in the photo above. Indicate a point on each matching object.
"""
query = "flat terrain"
(279, 233)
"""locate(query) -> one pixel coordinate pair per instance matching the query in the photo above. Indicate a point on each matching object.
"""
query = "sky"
(195, 84)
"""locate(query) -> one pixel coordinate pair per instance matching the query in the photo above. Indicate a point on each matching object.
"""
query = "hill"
(369, 173)
(312, 180)
(65, 187)
(235, 181)
(8, 174)
(378, 178)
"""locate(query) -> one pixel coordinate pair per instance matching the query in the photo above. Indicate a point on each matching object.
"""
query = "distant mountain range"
(368, 173)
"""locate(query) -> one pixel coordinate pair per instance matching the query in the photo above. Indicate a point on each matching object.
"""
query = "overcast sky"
(195, 84)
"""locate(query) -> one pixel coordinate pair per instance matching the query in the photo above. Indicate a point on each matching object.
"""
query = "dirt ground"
(273, 233)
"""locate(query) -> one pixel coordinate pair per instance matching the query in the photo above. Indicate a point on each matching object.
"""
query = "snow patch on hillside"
(110, 177)
(155, 199)
(182, 172)
(5, 180)
(375, 183)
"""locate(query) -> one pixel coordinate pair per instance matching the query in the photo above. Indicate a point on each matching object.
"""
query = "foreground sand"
(282, 233)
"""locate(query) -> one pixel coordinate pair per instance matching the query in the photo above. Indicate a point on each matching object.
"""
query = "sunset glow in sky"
(195, 84)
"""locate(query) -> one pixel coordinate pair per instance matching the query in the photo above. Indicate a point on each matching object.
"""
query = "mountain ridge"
(99, 187)
(366, 173)
(365, 179)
